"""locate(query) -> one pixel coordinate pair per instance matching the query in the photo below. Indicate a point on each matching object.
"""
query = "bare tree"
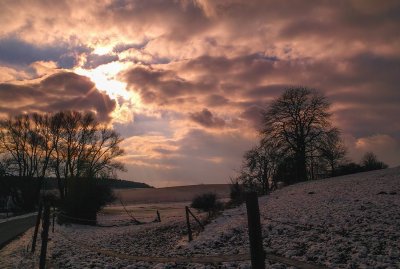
(298, 120)
(85, 148)
(102, 154)
(332, 149)
(260, 164)
(21, 146)
(67, 144)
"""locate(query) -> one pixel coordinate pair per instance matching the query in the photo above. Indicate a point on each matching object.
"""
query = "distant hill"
(171, 194)
(51, 183)
(126, 184)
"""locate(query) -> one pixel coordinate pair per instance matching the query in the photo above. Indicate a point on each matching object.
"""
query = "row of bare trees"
(67, 144)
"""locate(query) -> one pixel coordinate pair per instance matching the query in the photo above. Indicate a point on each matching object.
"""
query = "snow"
(16, 254)
(345, 222)
(18, 217)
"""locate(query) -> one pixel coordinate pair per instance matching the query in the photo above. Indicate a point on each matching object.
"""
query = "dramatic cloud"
(189, 158)
(14, 51)
(183, 80)
(165, 87)
(207, 119)
(61, 91)
(94, 60)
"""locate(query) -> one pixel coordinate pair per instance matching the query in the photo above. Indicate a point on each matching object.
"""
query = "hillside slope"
(344, 222)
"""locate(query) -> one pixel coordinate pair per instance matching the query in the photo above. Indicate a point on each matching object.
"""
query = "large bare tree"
(298, 120)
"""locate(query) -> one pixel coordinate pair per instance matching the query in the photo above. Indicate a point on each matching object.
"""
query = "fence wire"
(215, 259)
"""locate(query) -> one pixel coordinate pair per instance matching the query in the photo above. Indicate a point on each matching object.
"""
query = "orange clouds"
(386, 147)
(207, 119)
(60, 91)
(193, 72)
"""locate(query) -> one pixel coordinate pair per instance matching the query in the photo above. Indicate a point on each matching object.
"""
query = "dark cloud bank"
(60, 91)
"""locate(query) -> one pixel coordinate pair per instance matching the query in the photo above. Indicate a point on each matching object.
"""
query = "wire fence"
(203, 259)
(215, 259)
(206, 259)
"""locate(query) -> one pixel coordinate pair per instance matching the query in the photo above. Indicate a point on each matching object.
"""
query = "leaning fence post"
(255, 237)
(188, 224)
(39, 216)
(196, 219)
(45, 235)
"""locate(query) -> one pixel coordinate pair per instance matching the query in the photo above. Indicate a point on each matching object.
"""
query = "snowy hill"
(344, 222)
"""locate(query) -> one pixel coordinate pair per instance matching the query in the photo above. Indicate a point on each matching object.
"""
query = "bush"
(206, 202)
(348, 168)
(85, 197)
(370, 162)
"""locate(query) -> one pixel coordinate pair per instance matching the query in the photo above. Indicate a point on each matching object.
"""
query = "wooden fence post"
(255, 237)
(54, 218)
(39, 216)
(158, 216)
(45, 235)
(188, 224)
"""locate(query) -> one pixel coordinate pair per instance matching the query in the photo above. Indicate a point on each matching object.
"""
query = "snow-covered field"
(345, 222)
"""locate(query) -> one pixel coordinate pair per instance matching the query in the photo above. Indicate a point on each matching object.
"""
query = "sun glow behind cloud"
(105, 78)
(103, 50)
(198, 74)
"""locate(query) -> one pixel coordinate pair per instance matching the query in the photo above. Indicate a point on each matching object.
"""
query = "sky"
(185, 82)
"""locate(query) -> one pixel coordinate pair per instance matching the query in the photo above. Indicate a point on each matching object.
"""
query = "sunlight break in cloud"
(200, 73)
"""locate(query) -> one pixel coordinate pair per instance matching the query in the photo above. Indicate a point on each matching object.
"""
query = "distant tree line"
(125, 184)
(298, 143)
(368, 162)
(67, 145)
(114, 183)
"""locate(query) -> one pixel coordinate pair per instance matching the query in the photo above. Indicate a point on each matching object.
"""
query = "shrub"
(348, 168)
(85, 197)
(206, 202)
(370, 162)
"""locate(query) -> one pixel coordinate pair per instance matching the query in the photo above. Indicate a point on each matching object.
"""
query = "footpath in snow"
(344, 222)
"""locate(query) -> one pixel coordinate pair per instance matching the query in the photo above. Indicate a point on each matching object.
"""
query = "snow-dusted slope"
(345, 222)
